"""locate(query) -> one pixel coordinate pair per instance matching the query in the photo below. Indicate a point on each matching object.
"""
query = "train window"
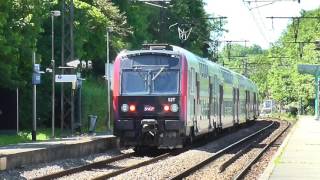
(193, 84)
(242, 82)
(203, 68)
(254, 101)
(220, 102)
(215, 83)
(210, 107)
(198, 87)
(189, 81)
(206, 70)
(134, 82)
(227, 76)
(165, 82)
(153, 59)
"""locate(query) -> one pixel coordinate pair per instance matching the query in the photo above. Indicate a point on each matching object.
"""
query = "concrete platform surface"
(22, 154)
(299, 157)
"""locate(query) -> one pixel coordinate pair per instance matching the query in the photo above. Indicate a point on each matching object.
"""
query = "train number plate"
(149, 108)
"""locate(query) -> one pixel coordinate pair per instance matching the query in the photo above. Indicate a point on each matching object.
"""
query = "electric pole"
(67, 54)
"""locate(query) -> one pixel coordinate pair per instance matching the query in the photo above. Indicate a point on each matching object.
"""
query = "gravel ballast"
(38, 170)
(167, 168)
(163, 169)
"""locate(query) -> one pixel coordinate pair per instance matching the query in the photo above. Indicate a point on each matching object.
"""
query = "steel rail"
(84, 167)
(126, 169)
(217, 155)
(228, 162)
(243, 172)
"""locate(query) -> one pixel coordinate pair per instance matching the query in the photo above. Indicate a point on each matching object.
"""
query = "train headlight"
(166, 108)
(124, 108)
(132, 108)
(174, 108)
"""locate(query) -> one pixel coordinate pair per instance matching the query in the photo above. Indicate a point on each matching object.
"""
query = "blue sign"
(36, 76)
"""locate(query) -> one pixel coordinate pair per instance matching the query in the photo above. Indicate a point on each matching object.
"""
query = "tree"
(146, 23)
(287, 85)
(20, 25)
(25, 26)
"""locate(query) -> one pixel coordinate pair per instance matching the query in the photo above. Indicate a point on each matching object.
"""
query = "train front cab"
(150, 99)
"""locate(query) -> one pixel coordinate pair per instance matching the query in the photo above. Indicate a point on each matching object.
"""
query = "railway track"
(102, 170)
(245, 149)
(144, 163)
(244, 171)
(104, 163)
(90, 166)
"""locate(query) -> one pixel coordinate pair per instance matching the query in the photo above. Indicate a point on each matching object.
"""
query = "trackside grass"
(94, 101)
(285, 116)
(24, 136)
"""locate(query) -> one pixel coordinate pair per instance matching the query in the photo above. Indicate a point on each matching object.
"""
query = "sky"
(252, 25)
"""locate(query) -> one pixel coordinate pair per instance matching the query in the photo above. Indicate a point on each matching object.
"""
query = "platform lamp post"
(53, 14)
(108, 78)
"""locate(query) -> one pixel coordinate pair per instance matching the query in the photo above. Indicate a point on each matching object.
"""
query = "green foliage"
(286, 84)
(192, 11)
(285, 117)
(94, 101)
(24, 136)
(20, 25)
(25, 26)
(148, 27)
(275, 70)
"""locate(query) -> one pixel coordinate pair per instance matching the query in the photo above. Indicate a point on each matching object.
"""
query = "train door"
(191, 97)
(221, 109)
(237, 105)
(234, 106)
(215, 100)
(210, 103)
(247, 105)
(197, 104)
(251, 106)
(254, 105)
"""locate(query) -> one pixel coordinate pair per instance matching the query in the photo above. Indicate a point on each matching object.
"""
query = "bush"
(94, 101)
(293, 111)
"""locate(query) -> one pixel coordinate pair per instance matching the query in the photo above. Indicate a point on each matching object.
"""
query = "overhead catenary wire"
(267, 40)
(256, 21)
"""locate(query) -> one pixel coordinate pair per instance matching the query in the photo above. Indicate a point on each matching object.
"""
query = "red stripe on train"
(116, 86)
(184, 88)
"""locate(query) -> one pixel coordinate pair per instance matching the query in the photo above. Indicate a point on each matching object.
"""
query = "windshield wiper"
(158, 73)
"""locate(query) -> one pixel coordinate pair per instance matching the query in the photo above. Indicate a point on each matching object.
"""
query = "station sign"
(66, 78)
(110, 75)
(309, 69)
(36, 77)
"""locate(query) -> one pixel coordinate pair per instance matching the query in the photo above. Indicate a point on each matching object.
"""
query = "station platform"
(299, 155)
(13, 156)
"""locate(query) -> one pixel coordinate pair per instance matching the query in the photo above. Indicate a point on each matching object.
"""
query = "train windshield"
(165, 82)
(134, 82)
(150, 74)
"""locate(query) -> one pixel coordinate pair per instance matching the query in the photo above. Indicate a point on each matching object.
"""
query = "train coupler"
(149, 126)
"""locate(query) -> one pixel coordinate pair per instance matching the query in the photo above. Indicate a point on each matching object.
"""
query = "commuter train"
(165, 96)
